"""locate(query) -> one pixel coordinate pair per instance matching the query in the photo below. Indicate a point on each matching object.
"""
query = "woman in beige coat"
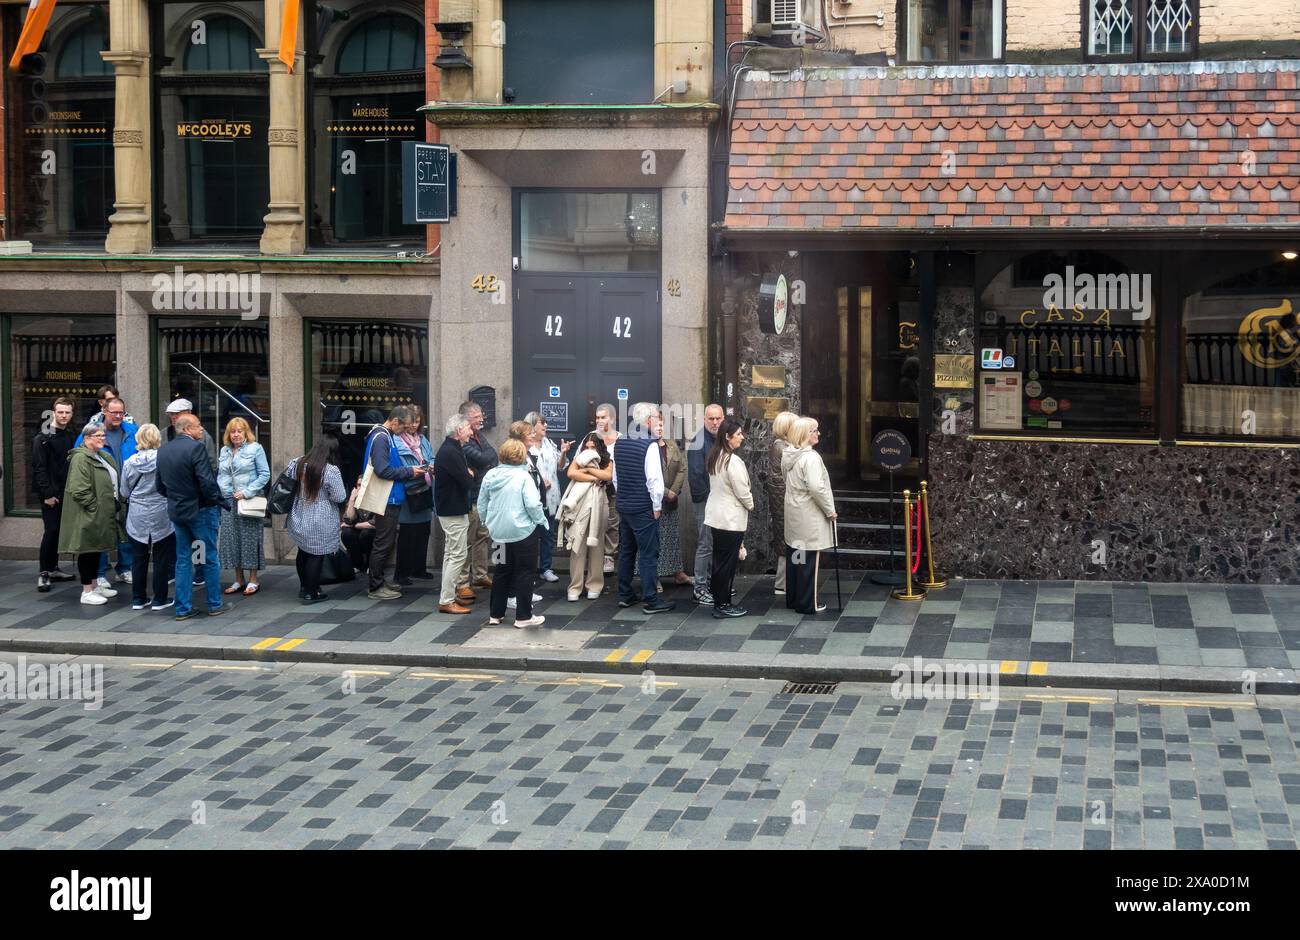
(726, 513)
(809, 516)
(776, 491)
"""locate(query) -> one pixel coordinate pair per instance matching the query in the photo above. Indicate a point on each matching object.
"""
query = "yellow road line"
(1194, 703)
(292, 644)
(269, 641)
(1037, 668)
(1009, 665)
(642, 656)
(1091, 699)
(240, 668)
(454, 675)
(615, 656)
(366, 672)
(153, 665)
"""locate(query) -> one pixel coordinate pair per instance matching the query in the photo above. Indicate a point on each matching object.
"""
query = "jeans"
(164, 566)
(703, 550)
(51, 517)
(546, 544)
(638, 548)
(518, 573)
(203, 529)
(123, 560)
(455, 530)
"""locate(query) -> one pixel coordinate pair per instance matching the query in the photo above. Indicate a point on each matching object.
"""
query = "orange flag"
(289, 33)
(29, 40)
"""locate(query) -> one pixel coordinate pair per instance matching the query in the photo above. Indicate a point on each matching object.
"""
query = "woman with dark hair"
(726, 513)
(313, 522)
(584, 517)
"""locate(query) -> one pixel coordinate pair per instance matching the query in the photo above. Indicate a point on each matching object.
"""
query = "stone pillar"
(286, 223)
(684, 48)
(130, 226)
(487, 42)
(288, 404)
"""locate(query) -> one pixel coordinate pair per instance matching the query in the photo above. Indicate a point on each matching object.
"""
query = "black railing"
(1112, 354)
(1216, 359)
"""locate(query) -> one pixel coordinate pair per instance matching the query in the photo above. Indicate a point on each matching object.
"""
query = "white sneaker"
(125, 578)
(549, 575)
(609, 565)
(593, 595)
(537, 599)
(104, 583)
(103, 591)
(575, 595)
(93, 597)
(535, 622)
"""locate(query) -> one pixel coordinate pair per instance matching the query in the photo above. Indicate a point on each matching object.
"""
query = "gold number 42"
(486, 284)
(674, 287)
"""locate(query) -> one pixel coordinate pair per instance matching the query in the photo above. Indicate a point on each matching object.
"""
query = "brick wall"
(1043, 24)
(735, 12)
(1236, 20)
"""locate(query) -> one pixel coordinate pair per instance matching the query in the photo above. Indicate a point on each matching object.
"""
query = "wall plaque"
(954, 371)
(769, 377)
(765, 409)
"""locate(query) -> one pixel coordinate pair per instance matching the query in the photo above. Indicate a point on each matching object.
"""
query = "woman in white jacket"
(726, 513)
(584, 517)
(809, 516)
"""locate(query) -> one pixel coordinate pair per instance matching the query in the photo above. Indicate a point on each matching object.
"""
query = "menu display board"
(1001, 402)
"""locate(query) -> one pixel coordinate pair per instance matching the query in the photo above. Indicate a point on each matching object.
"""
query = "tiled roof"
(980, 148)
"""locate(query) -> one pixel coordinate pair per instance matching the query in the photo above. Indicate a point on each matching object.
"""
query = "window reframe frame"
(900, 40)
(1139, 53)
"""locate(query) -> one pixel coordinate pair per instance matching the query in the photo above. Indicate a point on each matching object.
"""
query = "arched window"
(228, 46)
(387, 43)
(79, 56)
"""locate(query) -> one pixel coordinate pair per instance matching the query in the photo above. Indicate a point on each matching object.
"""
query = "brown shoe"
(452, 608)
(465, 595)
(485, 583)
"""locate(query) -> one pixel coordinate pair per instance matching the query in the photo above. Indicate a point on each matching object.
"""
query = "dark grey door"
(584, 339)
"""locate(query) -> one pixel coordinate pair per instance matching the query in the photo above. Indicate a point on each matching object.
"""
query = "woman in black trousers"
(727, 514)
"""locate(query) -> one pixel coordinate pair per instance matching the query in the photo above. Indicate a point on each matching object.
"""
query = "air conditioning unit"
(792, 22)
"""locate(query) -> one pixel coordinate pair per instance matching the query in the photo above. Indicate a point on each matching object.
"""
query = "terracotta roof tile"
(1106, 146)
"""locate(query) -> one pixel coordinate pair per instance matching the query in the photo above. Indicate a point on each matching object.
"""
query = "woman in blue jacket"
(511, 508)
(242, 473)
(416, 519)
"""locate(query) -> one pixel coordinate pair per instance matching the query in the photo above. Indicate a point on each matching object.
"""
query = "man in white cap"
(183, 406)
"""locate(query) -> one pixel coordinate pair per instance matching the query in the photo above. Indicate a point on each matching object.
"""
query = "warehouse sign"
(428, 183)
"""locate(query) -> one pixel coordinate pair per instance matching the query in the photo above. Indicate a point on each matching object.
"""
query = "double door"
(581, 340)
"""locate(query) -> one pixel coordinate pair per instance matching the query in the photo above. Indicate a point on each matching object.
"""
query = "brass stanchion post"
(934, 582)
(909, 593)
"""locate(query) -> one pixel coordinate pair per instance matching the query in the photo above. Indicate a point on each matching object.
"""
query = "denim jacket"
(244, 471)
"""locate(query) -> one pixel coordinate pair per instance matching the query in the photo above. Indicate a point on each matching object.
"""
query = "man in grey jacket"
(697, 477)
(481, 457)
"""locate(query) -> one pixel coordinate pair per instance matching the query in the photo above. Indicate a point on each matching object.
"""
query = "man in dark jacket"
(697, 477)
(381, 450)
(186, 481)
(49, 474)
(453, 481)
(481, 457)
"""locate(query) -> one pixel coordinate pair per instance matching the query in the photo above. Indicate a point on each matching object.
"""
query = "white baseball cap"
(179, 405)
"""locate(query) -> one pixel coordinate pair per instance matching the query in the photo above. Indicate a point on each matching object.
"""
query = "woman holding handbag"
(416, 518)
(242, 475)
(89, 525)
(673, 465)
(148, 526)
(313, 522)
(727, 513)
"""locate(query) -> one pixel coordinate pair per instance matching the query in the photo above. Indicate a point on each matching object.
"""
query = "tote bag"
(375, 490)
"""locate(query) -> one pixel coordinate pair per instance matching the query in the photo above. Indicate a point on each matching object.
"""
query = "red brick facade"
(735, 20)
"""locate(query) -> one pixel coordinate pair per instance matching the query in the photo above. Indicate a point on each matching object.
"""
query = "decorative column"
(286, 223)
(130, 226)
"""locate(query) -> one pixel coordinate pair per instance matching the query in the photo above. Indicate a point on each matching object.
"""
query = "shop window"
(950, 31)
(365, 89)
(1140, 29)
(1070, 352)
(578, 52)
(1241, 356)
(575, 231)
(50, 357)
(61, 121)
(357, 373)
(220, 365)
(212, 117)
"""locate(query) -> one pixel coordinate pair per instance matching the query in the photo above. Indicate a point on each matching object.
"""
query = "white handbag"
(253, 508)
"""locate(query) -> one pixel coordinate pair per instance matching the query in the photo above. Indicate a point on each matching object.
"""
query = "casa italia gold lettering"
(1031, 318)
(1265, 339)
(215, 130)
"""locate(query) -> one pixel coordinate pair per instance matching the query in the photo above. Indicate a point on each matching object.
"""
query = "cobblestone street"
(191, 754)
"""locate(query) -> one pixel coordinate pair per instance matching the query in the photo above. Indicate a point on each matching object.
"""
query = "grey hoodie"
(146, 515)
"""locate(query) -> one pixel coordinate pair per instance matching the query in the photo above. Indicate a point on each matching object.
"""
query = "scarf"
(414, 441)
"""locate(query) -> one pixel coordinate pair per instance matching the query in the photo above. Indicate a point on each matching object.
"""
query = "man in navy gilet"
(639, 480)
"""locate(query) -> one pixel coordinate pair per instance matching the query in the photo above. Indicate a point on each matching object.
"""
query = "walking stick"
(835, 543)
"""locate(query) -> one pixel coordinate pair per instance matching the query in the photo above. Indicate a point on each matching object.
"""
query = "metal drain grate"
(809, 688)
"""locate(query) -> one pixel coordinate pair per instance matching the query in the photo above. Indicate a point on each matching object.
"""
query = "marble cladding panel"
(1010, 509)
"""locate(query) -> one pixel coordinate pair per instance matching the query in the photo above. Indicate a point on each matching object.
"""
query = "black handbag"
(419, 494)
(337, 568)
(283, 494)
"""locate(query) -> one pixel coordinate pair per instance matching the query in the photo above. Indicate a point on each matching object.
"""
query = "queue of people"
(503, 512)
